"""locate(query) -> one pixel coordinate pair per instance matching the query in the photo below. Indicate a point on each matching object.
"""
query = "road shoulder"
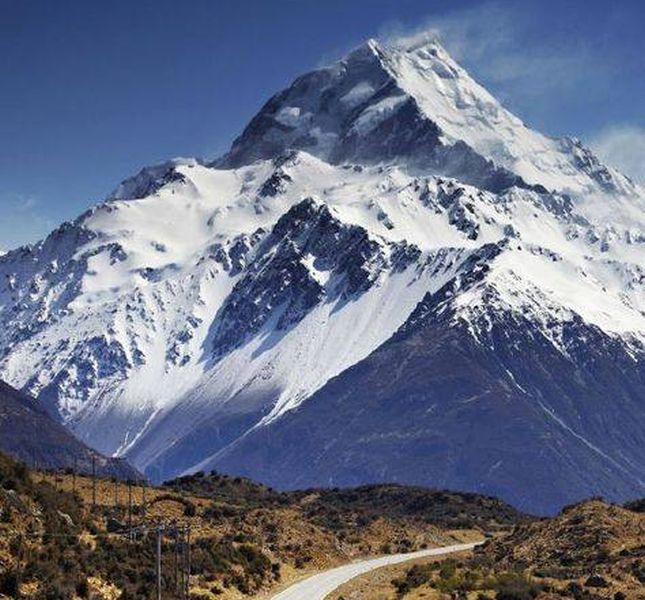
(376, 584)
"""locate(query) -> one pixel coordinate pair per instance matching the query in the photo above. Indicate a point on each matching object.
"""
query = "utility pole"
(175, 558)
(158, 570)
(130, 508)
(19, 565)
(182, 550)
(188, 559)
(93, 483)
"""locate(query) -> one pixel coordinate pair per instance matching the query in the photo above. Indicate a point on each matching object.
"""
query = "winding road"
(318, 586)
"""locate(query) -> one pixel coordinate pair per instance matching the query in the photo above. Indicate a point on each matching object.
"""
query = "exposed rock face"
(438, 404)
(309, 257)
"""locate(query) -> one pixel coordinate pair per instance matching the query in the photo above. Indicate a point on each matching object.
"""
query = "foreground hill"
(28, 433)
(592, 545)
(245, 537)
(444, 508)
(590, 551)
(389, 277)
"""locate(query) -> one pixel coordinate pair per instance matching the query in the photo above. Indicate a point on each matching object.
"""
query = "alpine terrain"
(388, 278)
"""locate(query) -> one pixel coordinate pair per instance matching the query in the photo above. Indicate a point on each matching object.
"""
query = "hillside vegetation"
(591, 551)
(61, 538)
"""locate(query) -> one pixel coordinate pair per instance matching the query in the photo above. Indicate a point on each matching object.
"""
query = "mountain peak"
(367, 48)
(392, 232)
(408, 101)
(149, 179)
(425, 41)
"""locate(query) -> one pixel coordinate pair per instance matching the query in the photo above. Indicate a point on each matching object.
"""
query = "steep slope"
(29, 434)
(486, 400)
(410, 102)
(201, 304)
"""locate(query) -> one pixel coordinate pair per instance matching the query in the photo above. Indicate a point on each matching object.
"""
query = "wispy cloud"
(623, 147)
(498, 44)
(22, 202)
(21, 220)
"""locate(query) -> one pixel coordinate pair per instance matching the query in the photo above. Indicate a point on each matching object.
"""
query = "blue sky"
(92, 91)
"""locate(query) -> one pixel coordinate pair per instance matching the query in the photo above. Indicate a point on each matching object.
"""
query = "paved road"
(318, 586)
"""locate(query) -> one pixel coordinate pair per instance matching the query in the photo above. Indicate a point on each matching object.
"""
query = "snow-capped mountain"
(387, 207)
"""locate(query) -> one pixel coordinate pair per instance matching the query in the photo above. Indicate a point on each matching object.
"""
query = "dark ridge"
(326, 507)
(29, 434)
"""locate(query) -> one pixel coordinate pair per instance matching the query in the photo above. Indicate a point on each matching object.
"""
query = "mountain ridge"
(203, 302)
(448, 113)
(29, 434)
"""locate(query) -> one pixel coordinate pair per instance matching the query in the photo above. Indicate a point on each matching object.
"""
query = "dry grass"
(551, 559)
(377, 584)
(592, 537)
(288, 535)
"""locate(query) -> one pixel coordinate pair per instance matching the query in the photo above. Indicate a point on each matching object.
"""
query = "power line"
(178, 534)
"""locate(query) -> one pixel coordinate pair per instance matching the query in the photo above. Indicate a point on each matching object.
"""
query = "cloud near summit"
(623, 147)
(499, 46)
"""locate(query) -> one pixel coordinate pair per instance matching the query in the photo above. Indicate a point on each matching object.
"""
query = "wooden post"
(182, 563)
(175, 558)
(19, 569)
(181, 558)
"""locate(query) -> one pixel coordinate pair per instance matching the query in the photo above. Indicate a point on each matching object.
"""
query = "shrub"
(9, 583)
(83, 589)
(515, 586)
(415, 577)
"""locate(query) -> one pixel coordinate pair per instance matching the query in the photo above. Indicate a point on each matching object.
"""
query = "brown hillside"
(591, 551)
(30, 434)
(592, 539)
(245, 538)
